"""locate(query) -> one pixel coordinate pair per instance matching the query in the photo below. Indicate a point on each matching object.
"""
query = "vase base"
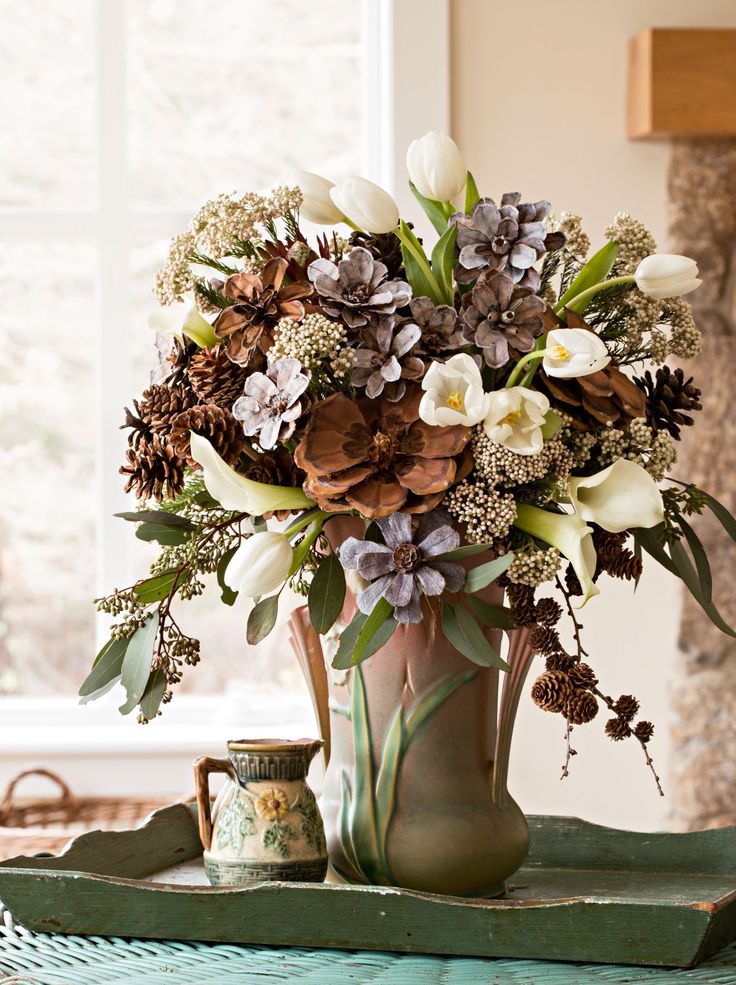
(492, 892)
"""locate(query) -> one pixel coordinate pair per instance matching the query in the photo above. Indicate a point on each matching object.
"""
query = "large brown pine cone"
(215, 378)
(219, 426)
(581, 708)
(551, 690)
(155, 411)
(153, 469)
(670, 399)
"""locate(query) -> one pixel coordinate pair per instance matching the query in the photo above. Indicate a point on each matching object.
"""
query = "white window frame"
(406, 92)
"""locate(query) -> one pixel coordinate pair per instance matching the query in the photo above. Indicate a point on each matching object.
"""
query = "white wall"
(538, 106)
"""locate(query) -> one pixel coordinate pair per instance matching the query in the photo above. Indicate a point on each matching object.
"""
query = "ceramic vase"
(267, 825)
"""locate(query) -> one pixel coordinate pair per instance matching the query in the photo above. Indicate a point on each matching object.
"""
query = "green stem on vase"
(595, 289)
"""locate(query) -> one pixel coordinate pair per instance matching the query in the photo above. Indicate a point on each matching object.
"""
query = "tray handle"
(202, 769)
(67, 799)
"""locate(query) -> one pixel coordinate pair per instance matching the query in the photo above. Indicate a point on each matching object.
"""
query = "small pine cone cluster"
(617, 729)
(153, 469)
(625, 710)
(544, 640)
(552, 690)
(583, 676)
(153, 413)
(521, 603)
(214, 423)
(581, 708)
(548, 612)
(614, 557)
(215, 378)
(559, 661)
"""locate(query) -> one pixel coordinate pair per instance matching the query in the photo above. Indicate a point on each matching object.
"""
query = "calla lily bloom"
(260, 565)
(572, 352)
(366, 205)
(317, 206)
(569, 534)
(667, 275)
(235, 492)
(183, 317)
(620, 497)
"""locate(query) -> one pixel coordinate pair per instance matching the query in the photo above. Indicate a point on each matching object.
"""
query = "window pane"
(232, 101)
(48, 504)
(46, 137)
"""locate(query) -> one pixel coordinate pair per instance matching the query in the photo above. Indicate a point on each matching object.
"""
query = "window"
(120, 118)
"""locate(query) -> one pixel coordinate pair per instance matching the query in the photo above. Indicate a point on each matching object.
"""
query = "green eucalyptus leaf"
(155, 689)
(107, 667)
(157, 588)
(468, 550)
(345, 656)
(471, 194)
(105, 689)
(163, 517)
(495, 616)
(326, 593)
(136, 667)
(432, 209)
(466, 636)
(227, 594)
(689, 575)
(262, 619)
(443, 262)
(484, 574)
(705, 576)
(648, 539)
(595, 270)
(379, 616)
(165, 535)
(719, 511)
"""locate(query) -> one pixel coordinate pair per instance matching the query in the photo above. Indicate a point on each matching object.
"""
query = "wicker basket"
(29, 826)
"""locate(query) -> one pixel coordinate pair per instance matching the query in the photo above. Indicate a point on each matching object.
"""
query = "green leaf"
(227, 594)
(304, 546)
(467, 637)
(107, 667)
(443, 262)
(343, 659)
(432, 209)
(105, 689)
(381, 612)
(705, 577)
(648, 538)
(719, 511)
(151, 700)
(595, 270)
(326, 593)
(136, 667)
(417, 273)
(157, 516)
(362, 812)
(262, 619)
(688, 574)
(387, 781)
(156, 588)
(471, 194)
(484, 574)
(495, 616)
(468, 550)
(165, 535)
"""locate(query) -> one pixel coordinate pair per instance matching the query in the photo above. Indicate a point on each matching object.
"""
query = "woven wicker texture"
(39, 959)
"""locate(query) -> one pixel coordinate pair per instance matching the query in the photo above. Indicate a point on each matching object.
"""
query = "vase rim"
(273, 745)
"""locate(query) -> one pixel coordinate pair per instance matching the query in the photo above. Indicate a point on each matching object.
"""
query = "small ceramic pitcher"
(267, 826)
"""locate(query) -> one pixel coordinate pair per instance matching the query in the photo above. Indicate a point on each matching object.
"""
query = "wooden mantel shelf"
(682, 83)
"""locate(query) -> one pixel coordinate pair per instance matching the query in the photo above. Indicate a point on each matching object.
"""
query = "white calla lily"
(620, 497)
(454, 393)
(183, 318)
(235, 492)
(570, 534)
(515, 418)
(436, 166)
(260, 565)
(667, 275)
(366, 205)
(317, 206)
(572, 352)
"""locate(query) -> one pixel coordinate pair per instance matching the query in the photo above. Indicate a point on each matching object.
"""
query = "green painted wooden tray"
(586, 894)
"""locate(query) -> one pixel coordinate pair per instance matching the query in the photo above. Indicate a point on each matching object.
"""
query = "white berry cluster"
(534, 567)
(634, 242)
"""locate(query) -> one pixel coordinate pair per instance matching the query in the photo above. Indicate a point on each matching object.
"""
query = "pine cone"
(548, 612)
(605, 397)
(544, 640)
(215, 378)
(644, 731)
(155, 411)
(617, 729)
(521, 603)
(153, 469)
(583, 676)
(178, 361)
(384, 247)
(581, 708)
(670, 397)
(551, 690)
(559, 661)
(626, 706)
(613, 557)
(276, 468)
(217, 425)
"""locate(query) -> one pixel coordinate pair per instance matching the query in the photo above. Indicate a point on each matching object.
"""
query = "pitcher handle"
(202, 769)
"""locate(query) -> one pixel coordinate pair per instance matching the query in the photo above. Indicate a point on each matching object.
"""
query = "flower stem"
(516, 372)
(418, 254)
(595, 289)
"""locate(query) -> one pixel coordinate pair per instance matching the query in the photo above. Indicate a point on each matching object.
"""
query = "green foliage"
(443, 262)
(262, 619)
(107, 667)
(167, 535)
(345, 656)
(153, 695)
(495, 616)
(326, 593)
(463, 632)
(484, 574)
(432, 209)
(157, 518)
(154, 589)
(227, 595)
(593, 272)
(136, 667)
(471, 193)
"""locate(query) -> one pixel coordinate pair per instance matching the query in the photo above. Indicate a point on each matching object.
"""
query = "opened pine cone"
(154, 412)
(626, 706)
(581, 708)
(551, 690)
(218, 425)
(644, 731)
(544, 640)
(153, 469)
(617, 729)
(215, 378)
(582, 675)
(670, 399)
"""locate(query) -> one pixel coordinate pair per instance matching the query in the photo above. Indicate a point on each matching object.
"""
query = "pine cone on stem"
(670, 399)
(551, 690)
(617, 729)
(221, 429)
(215, 378)
(153, 469)
(581, 708)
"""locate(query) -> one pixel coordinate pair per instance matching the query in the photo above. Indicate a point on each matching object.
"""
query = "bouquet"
(481, 405)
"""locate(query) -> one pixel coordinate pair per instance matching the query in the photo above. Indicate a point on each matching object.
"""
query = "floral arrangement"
(483, 407)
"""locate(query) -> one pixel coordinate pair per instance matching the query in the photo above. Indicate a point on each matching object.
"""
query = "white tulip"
(260, 565)
(366, 205)
(620, 497)
(234, 492)
(569, 534)
(515, 418)
(183, 317)
(317, 206)
(574, 352)
(435, 166)
(667, 275)
(454, 393)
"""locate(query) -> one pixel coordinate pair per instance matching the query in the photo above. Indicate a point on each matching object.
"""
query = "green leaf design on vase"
(235, 823)
(277, 836)
(312, 827)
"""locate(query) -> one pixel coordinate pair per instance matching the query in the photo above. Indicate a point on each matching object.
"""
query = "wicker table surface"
(42, 959)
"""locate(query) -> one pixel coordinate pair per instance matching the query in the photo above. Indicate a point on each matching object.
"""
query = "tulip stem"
(419, 256)
(516, 372)
(602, 285)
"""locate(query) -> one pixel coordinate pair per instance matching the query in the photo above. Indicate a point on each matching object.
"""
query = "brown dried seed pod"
(581, 708)
(551, 690)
